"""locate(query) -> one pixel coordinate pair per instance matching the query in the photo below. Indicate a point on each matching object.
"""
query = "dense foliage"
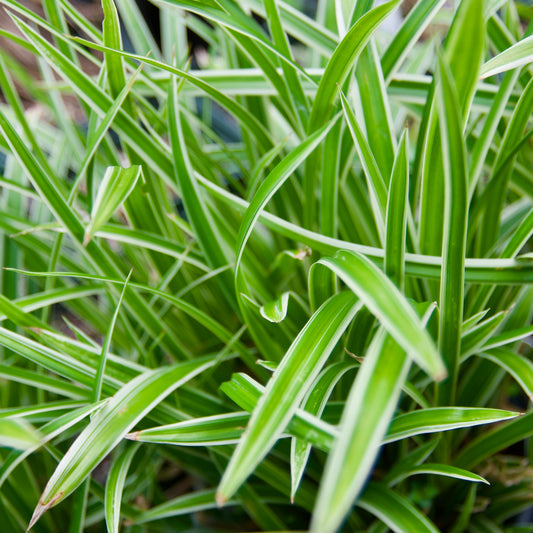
(283, 286)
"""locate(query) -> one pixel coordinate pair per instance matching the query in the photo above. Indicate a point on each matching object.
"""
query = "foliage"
(296, 272)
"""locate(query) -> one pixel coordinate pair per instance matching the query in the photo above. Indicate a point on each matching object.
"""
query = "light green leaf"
(342, 61)
(206, 431)
(116, 186)
(276, 310)
(443, 419)
(518, 366)
(399, 514)
(365, 419)
(455, 225)
(114, 487)
(287, 388)
(518, 55)
(18, 433)
(315, 404)
(386, 302)
(109, 425)
(441, 470)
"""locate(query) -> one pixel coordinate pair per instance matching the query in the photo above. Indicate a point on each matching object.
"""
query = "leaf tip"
(42, 508)
(440, 375)
(133, 436)
(220, 499)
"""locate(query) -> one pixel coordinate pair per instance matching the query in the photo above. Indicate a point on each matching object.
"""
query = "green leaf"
(503, 168)
(271, 185)
(337, 70)
(100, 372)
(443, 419)
(315, 404)
(137, 28)
(246, 118)
(152, 152)
(114, 487)
(189, 503)
(52, 429)
(393, 311)
(518, 55)
(113, 39)
(365, 419)
(202, 222)
(492, 442)
(486, 271)
(287, 387)
(397, 207)
(518, 366)
(109, 425)
(475, 338)
(398, 513)
(342, 61)
(298, 101)
(408, 34)
(455, 226)
(276, 310)
(375, 105)
(508, 337)
(441, 470)
(375, 182)
(18, 433)
(206, 431)
(116, 186)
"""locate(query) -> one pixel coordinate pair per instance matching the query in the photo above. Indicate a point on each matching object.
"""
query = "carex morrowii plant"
(283, 286)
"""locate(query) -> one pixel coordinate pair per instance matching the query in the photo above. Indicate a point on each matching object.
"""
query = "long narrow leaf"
(366, 416)
(385, 301)
(109, 426)
(287, 387)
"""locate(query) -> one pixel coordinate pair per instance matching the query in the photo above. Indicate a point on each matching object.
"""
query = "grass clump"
(291, 279)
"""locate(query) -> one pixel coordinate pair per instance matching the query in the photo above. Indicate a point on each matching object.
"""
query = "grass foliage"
(284, 287)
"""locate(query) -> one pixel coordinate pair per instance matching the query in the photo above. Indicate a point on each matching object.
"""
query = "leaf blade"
(130, 404)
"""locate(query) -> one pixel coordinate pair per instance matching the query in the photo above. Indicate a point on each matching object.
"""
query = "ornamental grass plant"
(278, 283)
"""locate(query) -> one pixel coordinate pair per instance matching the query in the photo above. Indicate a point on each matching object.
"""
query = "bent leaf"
(116, 186)
(276, 310)
(391, 308)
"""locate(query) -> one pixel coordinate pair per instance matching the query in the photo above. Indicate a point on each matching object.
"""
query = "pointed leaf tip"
(133, 436)
(42, 508)
(220, 499)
